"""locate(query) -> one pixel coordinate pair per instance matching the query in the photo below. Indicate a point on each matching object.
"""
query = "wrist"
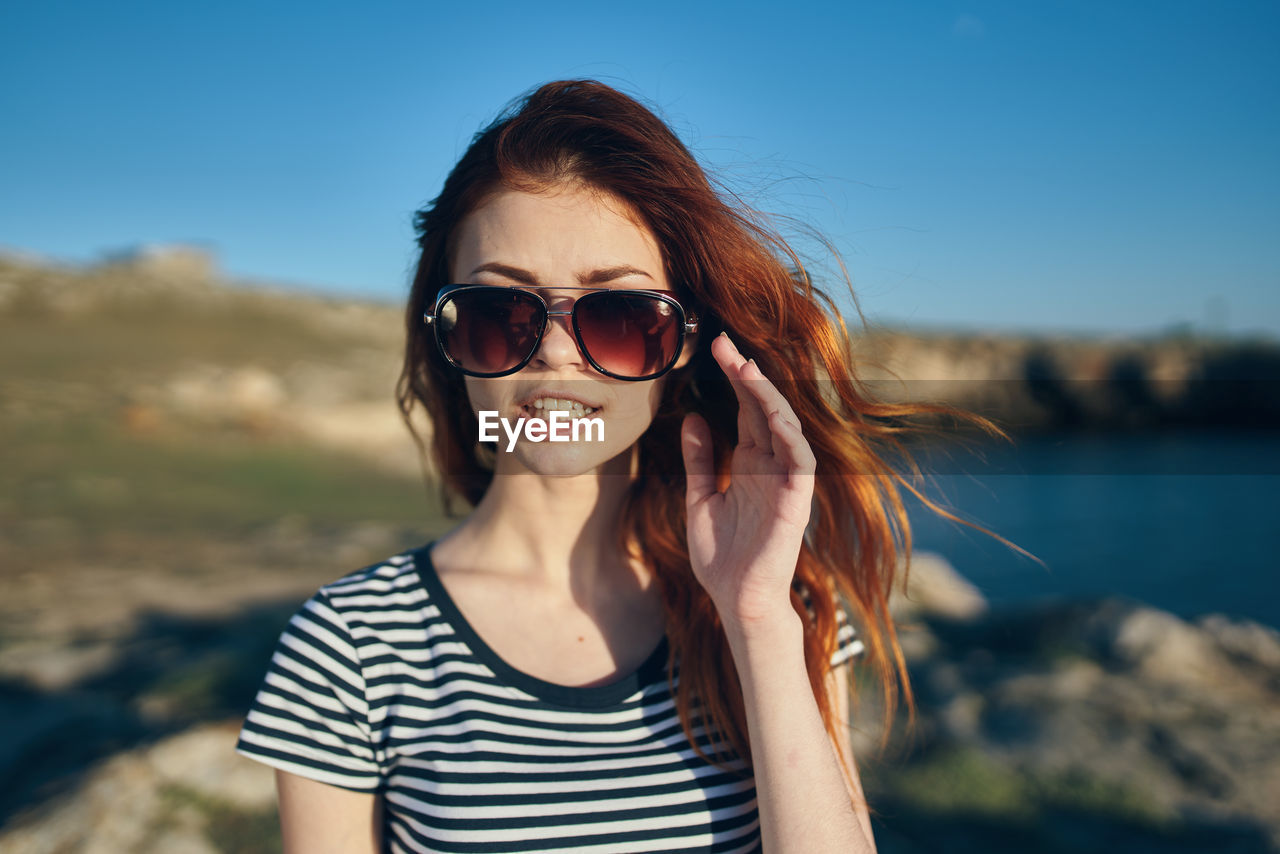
(764, 630)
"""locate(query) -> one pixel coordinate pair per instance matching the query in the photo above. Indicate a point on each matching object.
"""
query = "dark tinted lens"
(630, 335)
(489, 330)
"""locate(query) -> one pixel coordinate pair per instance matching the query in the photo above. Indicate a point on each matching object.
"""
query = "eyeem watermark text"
(561, 427)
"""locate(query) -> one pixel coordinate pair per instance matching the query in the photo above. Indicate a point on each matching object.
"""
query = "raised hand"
(744, 542)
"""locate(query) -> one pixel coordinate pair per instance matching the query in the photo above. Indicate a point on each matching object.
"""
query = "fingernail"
(723, 335)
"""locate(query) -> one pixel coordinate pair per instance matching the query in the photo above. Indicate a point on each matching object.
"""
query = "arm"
(317, 818)
(838, 688)
(803, 798)
(743, 546)
(311, 717)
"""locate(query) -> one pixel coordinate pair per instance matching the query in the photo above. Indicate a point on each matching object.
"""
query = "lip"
(526, 402)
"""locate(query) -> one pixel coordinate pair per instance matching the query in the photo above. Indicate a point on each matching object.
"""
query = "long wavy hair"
(740, 276)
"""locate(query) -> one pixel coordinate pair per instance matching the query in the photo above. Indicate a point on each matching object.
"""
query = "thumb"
(699, 459)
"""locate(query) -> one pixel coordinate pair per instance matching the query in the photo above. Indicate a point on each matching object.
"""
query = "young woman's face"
(572, 237)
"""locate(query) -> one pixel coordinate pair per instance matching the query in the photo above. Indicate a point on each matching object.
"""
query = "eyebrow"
(595, 277)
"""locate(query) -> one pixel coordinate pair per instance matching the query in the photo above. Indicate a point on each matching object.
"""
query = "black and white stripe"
(380, 685)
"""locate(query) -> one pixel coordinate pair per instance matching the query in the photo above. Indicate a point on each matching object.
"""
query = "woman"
(634, 641)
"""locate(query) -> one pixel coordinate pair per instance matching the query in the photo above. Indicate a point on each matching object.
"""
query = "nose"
(558, 347)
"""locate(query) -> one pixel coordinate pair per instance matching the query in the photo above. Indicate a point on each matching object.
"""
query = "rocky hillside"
(157, 343)
(1061, 384)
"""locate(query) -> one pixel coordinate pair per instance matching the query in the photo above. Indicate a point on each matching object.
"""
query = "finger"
(790, 446)
(699, 459)
(767, 395)
(753, 423)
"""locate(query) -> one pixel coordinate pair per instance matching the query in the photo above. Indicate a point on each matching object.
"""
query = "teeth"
(573, 407)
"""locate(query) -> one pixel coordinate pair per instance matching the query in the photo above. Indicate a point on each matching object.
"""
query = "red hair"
(740, 277)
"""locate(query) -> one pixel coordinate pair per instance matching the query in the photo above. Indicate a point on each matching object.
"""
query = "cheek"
(643, 405)
(483, 394)
(475, 395)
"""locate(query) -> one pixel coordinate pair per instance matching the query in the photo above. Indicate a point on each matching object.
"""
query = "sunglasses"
(492, 331)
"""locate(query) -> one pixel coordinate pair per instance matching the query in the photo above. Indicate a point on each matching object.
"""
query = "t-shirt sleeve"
(848, 644)
(311, 715)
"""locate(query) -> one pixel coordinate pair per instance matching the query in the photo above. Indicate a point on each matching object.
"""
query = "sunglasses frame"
(687, 324)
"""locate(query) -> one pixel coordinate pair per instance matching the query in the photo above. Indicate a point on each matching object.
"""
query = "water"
(1185, 523)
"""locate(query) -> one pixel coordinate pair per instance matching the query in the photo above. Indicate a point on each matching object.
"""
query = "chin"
(561, 460)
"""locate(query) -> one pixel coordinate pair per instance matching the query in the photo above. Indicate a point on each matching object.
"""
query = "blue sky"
(1092, 167)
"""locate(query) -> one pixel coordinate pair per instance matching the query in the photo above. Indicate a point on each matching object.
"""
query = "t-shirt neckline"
(652, 670)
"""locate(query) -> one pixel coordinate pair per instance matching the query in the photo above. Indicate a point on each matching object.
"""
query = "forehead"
(559, 236)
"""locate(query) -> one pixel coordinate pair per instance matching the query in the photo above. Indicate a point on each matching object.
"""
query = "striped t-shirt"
(380, 685)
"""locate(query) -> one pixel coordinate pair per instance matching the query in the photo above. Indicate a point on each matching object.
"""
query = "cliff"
(1060, 384)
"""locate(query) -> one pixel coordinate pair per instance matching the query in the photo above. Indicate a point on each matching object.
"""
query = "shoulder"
(394, 582)
(344, 617)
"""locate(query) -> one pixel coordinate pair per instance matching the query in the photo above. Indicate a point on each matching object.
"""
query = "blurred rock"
(201, 759)
(1118, 692)
(933, 588)
(154, 800)
(1244, 640)
(1162, 647)
(214, 391)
